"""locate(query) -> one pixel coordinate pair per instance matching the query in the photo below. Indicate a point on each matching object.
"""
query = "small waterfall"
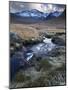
(47, 40)
(49, 44)
(29, 56)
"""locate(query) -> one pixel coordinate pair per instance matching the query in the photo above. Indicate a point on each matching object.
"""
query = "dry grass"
(24, 31)
(28, 31)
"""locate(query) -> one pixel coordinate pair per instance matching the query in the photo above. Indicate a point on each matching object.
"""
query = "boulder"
(16, 43)
(58, 41)
(17, 62)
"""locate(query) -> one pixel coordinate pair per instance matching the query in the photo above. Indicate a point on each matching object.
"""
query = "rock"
(58, 41)
(15, 37)
(17, 62)
(16, 43)
(57, 51)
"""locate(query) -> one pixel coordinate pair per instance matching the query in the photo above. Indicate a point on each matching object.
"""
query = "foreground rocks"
(58, 41)
(16, 43)
(49, 70)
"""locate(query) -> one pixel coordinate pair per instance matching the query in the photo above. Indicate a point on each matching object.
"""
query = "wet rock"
(58, 41)
(17, 62)
(57, 51)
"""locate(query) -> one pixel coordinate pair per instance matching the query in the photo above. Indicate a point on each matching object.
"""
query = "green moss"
(42, 81)
(44, 65)
(36, 83)
(22, 77)
(53, 78)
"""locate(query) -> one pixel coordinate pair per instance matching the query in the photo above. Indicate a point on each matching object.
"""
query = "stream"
(22, 58)
(40, 49)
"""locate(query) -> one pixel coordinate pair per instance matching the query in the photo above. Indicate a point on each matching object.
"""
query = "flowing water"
(41, 48)
(22, 58)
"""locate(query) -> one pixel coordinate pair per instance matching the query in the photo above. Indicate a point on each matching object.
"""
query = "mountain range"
(34, 15)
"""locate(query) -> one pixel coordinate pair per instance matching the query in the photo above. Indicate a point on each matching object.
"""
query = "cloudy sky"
(20, 6)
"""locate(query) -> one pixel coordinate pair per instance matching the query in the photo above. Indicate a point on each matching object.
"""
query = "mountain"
(56, 14)
(30, 13)
(45, 15)
(29, 16)
(63, 15)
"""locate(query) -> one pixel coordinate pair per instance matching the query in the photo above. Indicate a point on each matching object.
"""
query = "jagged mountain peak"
(35, 15)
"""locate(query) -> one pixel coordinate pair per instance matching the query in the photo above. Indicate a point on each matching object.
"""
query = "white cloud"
(46, 8)
(52, 7)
